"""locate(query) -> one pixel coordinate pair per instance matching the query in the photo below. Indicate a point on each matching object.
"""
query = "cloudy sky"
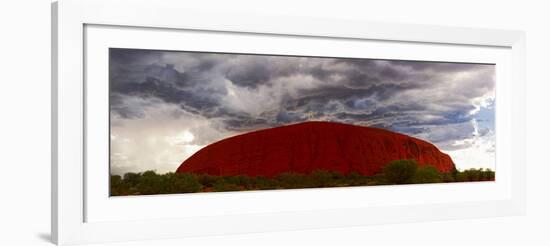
(166, 105)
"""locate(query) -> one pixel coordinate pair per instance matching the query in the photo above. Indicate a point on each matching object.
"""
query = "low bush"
(395, 172)
(400, 172)
(427, 174)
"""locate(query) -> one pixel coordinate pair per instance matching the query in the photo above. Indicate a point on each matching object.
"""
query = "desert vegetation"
(393, 173)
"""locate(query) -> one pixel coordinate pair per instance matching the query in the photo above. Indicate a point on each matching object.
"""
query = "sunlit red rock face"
(308, 146)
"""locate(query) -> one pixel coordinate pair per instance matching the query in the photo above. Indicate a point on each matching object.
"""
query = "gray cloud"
(432, 100)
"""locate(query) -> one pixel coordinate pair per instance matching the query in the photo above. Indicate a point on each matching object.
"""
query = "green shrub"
(426, 174)
(489, 174)
(187, 183)
(132, 179)
(292, 180)
(223, 185)
(470, 175)
(116, 185)
(239, 180)
(356, 179)
(395, 172)
(322, 178)
(448, 177)
(263, 183)
(207, 180)
(400, 172)
(150, 183)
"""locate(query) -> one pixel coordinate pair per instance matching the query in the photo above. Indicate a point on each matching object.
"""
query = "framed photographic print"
(171, 125)
(187, 122)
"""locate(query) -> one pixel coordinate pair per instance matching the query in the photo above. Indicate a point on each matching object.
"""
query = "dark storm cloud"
(437, 66)
(373, 70)
(432, 100)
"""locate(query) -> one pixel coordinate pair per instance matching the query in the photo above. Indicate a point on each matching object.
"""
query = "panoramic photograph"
(195, 122)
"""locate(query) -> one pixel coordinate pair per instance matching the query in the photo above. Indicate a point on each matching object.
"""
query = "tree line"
(395, 172)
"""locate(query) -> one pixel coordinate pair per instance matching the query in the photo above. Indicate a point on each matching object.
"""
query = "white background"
(25, 123)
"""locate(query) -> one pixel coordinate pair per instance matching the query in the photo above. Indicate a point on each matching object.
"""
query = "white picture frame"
(81, 213)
